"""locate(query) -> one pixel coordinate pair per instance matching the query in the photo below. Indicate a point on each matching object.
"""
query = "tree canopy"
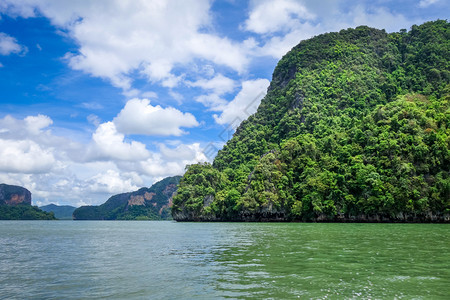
(354, 127)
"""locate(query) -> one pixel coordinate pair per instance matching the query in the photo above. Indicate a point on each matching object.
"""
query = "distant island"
(152, 203)
(354, 128)
(15, 204)
(62, 212)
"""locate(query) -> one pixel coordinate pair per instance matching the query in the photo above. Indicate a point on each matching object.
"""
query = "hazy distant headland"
(62, 212)
(145, 204)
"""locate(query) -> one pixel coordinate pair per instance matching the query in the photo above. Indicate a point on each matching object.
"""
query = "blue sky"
(103, 97)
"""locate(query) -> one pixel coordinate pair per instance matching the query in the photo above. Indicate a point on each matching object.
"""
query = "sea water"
(169, 260)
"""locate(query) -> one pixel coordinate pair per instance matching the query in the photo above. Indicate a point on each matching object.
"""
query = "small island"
(15, 204)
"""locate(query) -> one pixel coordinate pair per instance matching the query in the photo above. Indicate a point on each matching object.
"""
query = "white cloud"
(217, 87)
(17, 8)
(177, 96)
(282, 24)
(35, 124)
(92, 105)
(110, 144)
(245, 103)
(379, 17)
(280, 15)
(190, 153)
(171, 161)
(152, 37)
(140, 117)
(149, 94)
(221, 51)
(426, 3)
(112, 182)
(33, 128)
(24, 156)
(58, 169)
(9, 45)
(219, 84)
(279, 45)
(94, 120)
(213, 101)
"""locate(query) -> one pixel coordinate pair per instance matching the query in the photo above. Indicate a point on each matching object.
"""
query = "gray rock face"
(14, 195)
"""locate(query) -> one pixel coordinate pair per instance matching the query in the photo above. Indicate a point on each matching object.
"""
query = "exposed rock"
(208, 200)
(14, 195)
(148, 196)
(170, 189)
(136, 200)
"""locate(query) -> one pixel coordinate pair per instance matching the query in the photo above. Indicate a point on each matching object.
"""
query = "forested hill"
(354, 127)
(15, 204)
(145, 204)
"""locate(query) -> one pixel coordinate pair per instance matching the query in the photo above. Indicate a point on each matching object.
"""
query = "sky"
(104, 97)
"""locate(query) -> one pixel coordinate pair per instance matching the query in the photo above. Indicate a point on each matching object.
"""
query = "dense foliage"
(24, 212)
(354, 127)
(154, 204)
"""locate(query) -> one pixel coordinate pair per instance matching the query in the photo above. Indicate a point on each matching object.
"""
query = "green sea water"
(169, 260)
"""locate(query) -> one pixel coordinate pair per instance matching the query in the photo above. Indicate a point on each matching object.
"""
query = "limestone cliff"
(14, 195)
(15, 204)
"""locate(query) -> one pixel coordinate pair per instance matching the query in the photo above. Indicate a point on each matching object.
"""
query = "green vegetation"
(15, 204)
(24, 212)
(354, 127)
(145, 204)
(63, 212)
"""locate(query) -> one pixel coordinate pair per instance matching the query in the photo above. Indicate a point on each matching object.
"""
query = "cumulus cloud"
(279, 45)
(57, 169)
(112, 182)
(140, 117)
(9, 45)
(379, 17)
(35, 124)
(171, 160)
(33, 128)
(24, 156)
(213, 101)
(282, 24)
(150, 37)
(107, 143)
(27, 146)
(219, 84)
(245, 103)
(184, 152)
(280, 15)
